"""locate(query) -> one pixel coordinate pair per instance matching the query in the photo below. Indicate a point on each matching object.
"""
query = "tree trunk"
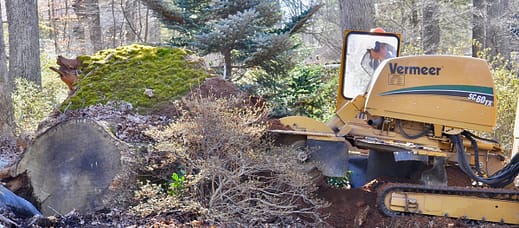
(53, 27)
(89, 14)
(150, 27)
(24, 40)
(227, 68)
(139, 26)
(6, 106)
(133, 26)
(478, 26)
(357, 14)
(498, 34)
(152, 33)
(431, 26)
(413, 34)
(75, 164)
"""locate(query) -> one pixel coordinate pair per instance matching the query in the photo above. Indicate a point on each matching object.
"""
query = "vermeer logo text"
(394, 68)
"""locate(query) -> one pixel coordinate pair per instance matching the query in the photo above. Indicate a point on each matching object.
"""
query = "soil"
(216, 87)
(357, 207)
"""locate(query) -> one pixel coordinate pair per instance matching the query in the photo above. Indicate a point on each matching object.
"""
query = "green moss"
(126, 72)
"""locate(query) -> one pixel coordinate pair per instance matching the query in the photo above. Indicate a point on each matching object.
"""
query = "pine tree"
(246, 33)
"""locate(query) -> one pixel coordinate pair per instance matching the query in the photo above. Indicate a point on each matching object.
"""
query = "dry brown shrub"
(235, 176)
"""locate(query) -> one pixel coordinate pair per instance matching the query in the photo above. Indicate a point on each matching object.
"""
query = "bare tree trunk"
(24, 40)
(88, 11)
(414, 20)
(152, 33)
(497, 34)
(479, 12)
(94, 22)
(6, 106)
(114, 34)
(227, 68)
(357, 14)
(66, 33)
(431, 26)
(147, 24)
(53, 28)
(489, 27)
(133, 24)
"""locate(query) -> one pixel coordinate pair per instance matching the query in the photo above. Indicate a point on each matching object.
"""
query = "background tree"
(129, 21)
(491, 26)
(431, 26)
(88, 12)
(137, 22)
(478, 25)
(24, 40)
(6, 107)
(73, 28)
(357, 14)
(498, 35)
(246, 33)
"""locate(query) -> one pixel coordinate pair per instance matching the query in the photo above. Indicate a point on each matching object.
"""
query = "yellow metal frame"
(455, 206)
(462, 96)
(305, 124)
(309, 127)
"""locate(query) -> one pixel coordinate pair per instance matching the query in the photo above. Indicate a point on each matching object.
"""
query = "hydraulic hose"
(500, 179)
(474, 145)
(425, 131)
(480, 138)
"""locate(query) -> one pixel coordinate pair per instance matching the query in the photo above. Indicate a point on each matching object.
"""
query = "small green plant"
(340, 182)
(177, 185)
(33, 103)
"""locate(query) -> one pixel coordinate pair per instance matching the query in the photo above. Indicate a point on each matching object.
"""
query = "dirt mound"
(358, 208)
(216, 87)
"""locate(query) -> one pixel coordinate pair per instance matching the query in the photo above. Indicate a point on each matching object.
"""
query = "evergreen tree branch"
(165, 10)
(298, 22)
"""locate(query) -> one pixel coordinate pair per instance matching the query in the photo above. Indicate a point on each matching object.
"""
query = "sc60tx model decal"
(481, 99)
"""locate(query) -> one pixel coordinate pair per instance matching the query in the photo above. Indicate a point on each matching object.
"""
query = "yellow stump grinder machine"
(411, 117)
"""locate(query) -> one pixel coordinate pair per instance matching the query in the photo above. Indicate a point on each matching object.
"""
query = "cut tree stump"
(73, 165)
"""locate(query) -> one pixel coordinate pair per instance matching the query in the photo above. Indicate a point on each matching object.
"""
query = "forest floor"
(348, 207)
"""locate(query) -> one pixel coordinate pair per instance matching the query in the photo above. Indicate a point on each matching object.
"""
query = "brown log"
(75, 164)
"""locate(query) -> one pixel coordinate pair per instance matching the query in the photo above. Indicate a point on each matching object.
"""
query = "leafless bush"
(234, 173)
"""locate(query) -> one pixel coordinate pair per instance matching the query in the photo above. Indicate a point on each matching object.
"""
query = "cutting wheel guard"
(331, 156)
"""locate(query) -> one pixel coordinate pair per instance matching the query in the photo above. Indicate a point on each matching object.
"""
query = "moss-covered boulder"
(145, 76)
